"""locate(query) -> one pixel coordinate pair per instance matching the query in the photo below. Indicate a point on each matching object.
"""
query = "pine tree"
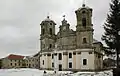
(112, 28)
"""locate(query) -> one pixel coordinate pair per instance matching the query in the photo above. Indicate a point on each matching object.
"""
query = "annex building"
(75, 50)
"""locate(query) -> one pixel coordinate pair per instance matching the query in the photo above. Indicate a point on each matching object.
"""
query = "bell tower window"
(83, 12)
(50, 46)
(84, 22)
(84, 40)
(50, 31)
(43, 31)
(50, 23)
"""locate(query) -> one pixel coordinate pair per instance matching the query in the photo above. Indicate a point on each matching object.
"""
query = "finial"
(48, 15)
(83, 5)
(64, 17)
(64, 22)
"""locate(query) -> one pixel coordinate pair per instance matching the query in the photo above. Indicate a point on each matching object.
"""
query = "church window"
(43, 31)
(60, 56)
(70, 65)
(43, 62)
(50, 23)
(50, 31)
(70, 55)
(84, 61)
(52, 64)
(29, 65)
(83, 12)
(84, 22)
(84, 40)
(50, 46)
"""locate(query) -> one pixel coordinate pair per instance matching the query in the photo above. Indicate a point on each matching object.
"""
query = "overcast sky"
(20, 19)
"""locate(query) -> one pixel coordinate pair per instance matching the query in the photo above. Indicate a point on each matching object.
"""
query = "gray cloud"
(20, 19)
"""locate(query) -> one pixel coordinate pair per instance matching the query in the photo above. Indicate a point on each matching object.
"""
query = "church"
(74, 50)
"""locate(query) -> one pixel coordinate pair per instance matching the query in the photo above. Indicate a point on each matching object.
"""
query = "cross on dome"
(83, 5)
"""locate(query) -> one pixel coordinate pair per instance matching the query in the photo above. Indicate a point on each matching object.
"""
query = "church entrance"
(60, 67)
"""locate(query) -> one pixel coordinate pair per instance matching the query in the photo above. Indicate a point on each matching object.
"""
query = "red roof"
(12, 56)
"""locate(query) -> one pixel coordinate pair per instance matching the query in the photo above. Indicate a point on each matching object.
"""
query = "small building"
(31, 62)
(18, 61)
(12, 61)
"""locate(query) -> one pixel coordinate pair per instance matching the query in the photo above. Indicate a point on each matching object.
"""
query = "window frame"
(43, 62)
(50, 30)
(70, 55)
(60, 56)
(84, 21)
(50, 45)
(70, 64)
(84, 40)
(84, 62)
(53, 64)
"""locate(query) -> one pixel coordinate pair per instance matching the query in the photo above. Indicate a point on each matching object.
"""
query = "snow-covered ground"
(36, 72)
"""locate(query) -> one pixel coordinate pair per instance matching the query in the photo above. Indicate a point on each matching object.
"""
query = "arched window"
(43, 62)
(50, 31)
(83, 12)
(43, 31)
(84, 22)
(84, 61)
(70, 55)
(50, 23)
(60, 56)
(70, 65)
(50, 46)
(84, 40)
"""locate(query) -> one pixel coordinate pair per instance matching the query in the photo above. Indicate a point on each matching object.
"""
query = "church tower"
(47, 35)
(84, 28)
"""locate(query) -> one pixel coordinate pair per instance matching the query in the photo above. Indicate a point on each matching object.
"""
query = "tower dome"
(84, 7)
(48, 20)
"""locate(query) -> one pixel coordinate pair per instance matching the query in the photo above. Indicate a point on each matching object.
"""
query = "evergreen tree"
(111, 35)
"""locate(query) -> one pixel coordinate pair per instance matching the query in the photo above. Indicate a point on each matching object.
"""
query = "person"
(55, 72)
(45, 72)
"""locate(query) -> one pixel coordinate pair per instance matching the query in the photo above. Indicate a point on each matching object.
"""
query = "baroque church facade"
(74, 50)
